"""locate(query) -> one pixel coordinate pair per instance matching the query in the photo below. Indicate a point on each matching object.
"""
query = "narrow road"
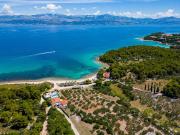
(44, 129)
(72, 125)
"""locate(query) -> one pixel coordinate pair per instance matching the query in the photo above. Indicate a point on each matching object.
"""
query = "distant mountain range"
(55, 19)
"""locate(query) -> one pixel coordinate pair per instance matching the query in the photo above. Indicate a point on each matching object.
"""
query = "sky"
(129, 8)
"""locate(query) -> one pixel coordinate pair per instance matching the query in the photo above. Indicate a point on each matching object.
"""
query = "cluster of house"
(168, 35)
(56, 101)
(163, 36)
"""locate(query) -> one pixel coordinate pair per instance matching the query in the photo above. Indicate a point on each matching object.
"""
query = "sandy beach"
(104, 65)
(54, 80)
(51, 80)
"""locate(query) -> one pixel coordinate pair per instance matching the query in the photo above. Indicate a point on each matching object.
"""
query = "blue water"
(34, 52)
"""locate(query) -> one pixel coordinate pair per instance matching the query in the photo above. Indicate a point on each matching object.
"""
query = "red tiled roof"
(55, 100)
(106, 75)
(63, 101)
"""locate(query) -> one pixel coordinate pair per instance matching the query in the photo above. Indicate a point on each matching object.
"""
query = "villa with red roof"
(106, 75)
(57, 102)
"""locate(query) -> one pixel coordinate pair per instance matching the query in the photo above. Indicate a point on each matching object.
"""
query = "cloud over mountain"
(129, 8)
(6, 9)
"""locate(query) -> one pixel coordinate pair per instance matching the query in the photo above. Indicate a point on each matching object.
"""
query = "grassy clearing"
(116, 91)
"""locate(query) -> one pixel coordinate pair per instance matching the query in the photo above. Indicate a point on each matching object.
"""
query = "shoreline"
(51, 80)
(92, 76)
(104, 65)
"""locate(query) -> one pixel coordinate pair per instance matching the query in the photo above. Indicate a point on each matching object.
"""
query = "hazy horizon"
(128, 8)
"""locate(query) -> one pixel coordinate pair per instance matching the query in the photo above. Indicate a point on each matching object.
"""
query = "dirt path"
(72, 125)
(44, 129)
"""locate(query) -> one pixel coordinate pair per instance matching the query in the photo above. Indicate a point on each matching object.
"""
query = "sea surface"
(35, 52)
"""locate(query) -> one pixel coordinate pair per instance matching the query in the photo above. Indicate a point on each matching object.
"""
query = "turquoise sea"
(35, 52)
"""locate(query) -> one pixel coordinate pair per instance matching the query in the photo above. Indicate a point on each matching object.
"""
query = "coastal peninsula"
(173, 40)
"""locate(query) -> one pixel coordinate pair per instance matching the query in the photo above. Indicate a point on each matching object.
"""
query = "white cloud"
(137, 14)
(7, 9)
(140, 14)
(168, 13)
(50, 7)
(98, 12)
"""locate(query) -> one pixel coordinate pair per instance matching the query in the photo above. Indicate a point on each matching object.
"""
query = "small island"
(170, 39)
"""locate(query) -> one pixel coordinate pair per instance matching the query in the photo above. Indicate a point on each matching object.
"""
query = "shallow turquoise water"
(34, 52)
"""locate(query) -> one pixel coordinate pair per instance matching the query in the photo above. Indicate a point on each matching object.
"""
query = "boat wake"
(39, 54)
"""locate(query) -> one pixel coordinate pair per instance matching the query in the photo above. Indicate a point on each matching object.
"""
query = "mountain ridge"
(58, 19)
